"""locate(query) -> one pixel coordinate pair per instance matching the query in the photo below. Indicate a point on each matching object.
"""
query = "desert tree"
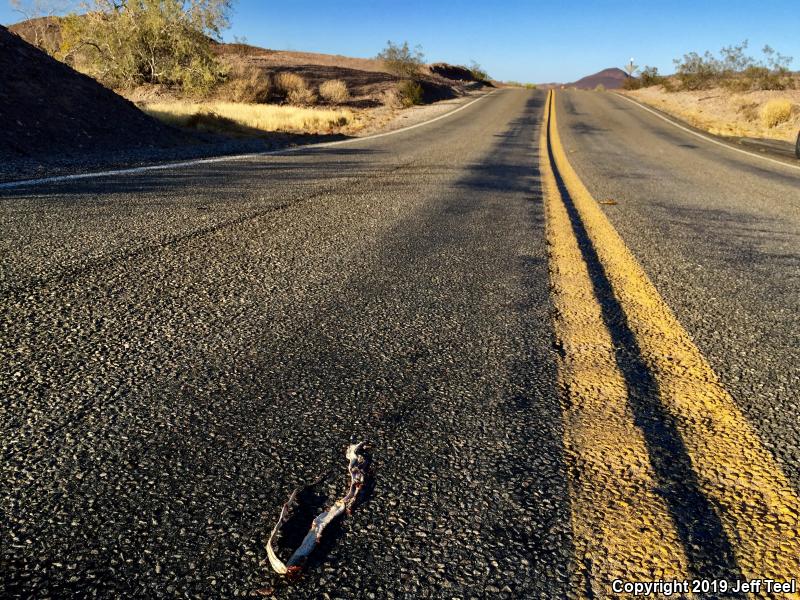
(130, 42)
(402, 60)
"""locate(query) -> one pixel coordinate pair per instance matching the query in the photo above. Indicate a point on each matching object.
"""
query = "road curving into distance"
(180, 348)
(648, 419)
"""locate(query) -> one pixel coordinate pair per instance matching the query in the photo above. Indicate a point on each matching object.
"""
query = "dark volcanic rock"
(453, 72)
(48, 108)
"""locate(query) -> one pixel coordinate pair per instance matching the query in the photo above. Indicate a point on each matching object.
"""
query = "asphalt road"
(180, 349)
(718, 233)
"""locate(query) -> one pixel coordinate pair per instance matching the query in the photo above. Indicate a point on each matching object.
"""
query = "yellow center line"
(622, 527)
(755, 504)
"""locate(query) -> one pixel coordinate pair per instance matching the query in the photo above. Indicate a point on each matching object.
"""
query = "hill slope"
(611, 79)
(48, 108)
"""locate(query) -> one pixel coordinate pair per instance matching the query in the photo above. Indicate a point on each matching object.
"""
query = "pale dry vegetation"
(723, 112)
(245, 83)
(230, 117)
(729, 94)
(334, 91)
(292, 88)
(776, 111)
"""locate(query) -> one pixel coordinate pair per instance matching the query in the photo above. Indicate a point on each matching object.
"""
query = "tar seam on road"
(728, 479)
(706, 138)
(231, 158)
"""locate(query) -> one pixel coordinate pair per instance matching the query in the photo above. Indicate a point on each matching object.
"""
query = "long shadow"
(707, 548)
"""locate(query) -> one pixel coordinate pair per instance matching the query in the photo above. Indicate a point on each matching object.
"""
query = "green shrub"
(129, 42)
(599, 88)
(650, 77)
(410, 93)
(401, 60)
(735, 70)
(695, 72)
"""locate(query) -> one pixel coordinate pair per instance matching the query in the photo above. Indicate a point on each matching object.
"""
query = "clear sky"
(527, 41)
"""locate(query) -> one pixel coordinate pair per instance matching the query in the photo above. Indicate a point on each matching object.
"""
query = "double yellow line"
(667, 478)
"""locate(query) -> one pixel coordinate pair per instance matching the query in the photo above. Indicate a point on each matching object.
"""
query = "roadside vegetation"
(402, 60)
(479, 74)
(124, 43)
(168, 57)
(247, 119)
(527, 86)
(406, 62)
(731, 93)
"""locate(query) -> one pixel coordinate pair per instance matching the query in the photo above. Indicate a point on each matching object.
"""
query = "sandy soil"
(722, 112)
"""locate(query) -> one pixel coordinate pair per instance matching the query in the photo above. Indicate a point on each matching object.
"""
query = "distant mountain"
(611, 79)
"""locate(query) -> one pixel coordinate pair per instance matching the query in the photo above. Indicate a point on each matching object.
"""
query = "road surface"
(181, 348)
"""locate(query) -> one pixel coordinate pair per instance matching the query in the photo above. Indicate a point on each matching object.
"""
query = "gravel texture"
(180, 349)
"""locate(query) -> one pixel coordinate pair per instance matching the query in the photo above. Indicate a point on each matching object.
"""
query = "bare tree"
(41, 29)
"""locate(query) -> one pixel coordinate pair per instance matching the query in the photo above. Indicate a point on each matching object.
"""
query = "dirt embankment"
(48, 108)
(723, 112)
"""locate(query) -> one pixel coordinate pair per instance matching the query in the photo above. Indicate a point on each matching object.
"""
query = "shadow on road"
(704, 541)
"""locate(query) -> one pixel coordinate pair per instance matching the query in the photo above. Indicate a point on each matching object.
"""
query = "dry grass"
(244, 83)
(775, 112)
(334, 91)
(294, 88)
(723, 112)
(247, 119)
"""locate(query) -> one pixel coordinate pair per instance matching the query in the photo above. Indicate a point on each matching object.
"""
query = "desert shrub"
(478, 72)
(301, 96)
(735, 70)
(695, 72)
(599, 88)
(245, 83)
(410, 92)
(775, 112)
(293, 88)
(749, 110)
(649, 77)
(401, 60)
(130, 42)
(335, 91)
(631, 83)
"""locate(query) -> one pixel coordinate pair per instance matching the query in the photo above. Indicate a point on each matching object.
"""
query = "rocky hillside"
(48, 108)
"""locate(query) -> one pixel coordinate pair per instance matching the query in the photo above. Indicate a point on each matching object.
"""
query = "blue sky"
(526, 41)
